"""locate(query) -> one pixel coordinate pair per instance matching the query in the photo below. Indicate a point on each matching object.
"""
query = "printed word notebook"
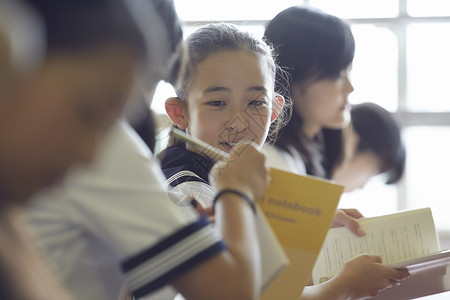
(300, 210)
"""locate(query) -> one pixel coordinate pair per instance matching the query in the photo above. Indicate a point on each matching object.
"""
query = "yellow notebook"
(300, 210)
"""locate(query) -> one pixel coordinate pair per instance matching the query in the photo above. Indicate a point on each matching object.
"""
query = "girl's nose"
(348, 86)
(237, 124)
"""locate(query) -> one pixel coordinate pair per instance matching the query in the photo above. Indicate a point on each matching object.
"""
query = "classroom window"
(230, 10)
(374, 73)
(427, 167)
(421, 8)
(358, 8)
(428, 67)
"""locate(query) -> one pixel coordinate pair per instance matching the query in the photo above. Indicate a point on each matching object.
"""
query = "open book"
(406, 239)
(300, 210)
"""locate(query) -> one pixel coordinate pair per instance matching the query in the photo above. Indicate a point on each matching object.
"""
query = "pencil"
(212, 152)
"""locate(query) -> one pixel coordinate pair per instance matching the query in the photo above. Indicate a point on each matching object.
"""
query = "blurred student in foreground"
(112, 223)
(58, 95)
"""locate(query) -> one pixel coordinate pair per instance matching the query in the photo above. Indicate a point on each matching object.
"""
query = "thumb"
(400, 274)
(353, 225)
(343, 219)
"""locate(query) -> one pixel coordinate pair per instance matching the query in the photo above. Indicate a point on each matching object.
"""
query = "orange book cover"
(300, 210)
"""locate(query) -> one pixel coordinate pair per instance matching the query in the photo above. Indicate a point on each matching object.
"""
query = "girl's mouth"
(230, 144)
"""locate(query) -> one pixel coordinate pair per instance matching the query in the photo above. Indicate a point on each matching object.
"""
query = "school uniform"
(112, 222)
(187, 173)
(289, 160)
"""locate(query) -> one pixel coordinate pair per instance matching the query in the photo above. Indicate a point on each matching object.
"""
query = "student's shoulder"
(275, 156)
(121, 157)
(181, 165)
(122, 137)
(287, 160)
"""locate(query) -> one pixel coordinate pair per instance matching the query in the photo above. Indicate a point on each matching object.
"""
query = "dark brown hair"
(310, 45)
(380, 133)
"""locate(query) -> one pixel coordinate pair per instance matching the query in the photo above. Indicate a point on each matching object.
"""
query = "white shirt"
(289, 161)
(116, 215)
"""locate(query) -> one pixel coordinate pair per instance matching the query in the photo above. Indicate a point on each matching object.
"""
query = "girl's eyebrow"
(225, 89)
(216, 89)
(258, 89)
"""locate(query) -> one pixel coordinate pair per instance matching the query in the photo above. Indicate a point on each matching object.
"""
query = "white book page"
(396, 237)
(273, 257)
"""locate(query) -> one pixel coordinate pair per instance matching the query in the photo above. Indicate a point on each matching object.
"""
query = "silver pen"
(212, 152)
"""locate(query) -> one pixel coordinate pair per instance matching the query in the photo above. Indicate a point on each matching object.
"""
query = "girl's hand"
(348, 218)
(245, 170)
(203, 210)
(364, 276)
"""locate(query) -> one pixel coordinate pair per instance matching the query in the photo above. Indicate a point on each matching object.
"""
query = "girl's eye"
(216, 103)
(257, 102)
(340, 76)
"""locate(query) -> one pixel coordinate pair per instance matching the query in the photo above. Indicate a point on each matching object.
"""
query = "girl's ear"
(277, 106)
(175, 109)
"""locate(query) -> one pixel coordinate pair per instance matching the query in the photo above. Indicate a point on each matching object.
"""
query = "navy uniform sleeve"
(171, 257)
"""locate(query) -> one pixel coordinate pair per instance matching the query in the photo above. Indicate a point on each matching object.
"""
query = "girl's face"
(323, 103)
(357, 171)
(56, 117)
(357, 167)
(230, 100)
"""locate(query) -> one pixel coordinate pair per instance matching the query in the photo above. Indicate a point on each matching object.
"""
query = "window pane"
(358, 8)
(428, 166)
(375, 199)
(420, 8)
(163, 91)
(256, 30)
(374, 73)
(215, 10)
(428, 67)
